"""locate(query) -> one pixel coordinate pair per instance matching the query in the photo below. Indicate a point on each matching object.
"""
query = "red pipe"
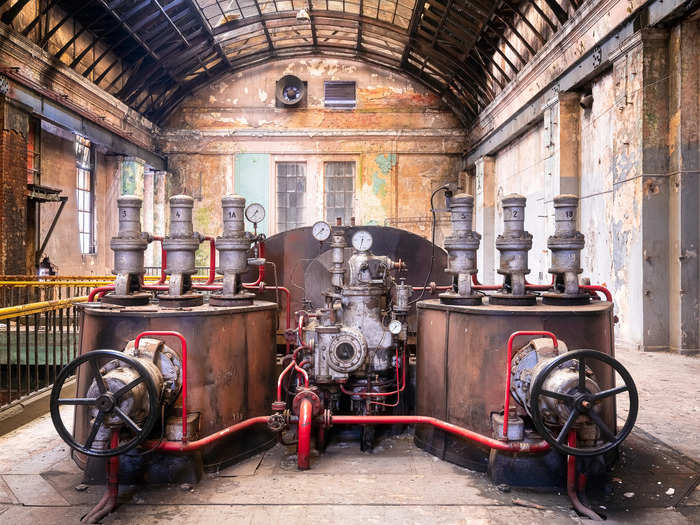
(304, 434)
(109, 498)
(99, 290)
(298, 368)
(163, 259)
(509, 358)
(403, 385)
(177, 446)
(539, 446)
(571, 484)
(183, 352)
(261, 269)
(597, 288)
(212, 259)
(289, 367)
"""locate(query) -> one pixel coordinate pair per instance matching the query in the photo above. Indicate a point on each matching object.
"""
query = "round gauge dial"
(395, 327)
(362, 240)
(321, 231)
(255, 213)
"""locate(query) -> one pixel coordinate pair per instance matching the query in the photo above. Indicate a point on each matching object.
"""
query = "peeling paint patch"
(262, 95)
(385, 162)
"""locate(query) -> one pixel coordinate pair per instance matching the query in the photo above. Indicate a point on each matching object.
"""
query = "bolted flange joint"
(461, 246)
(233, 246)
(513, 245)
(310, 393)
(181, 245)
(129, 246)
(565, 247)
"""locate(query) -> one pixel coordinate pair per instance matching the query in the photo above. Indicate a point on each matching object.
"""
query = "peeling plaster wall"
(403, 141)
(58, 170)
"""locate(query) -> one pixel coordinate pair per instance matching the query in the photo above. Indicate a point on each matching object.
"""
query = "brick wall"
(13, 184)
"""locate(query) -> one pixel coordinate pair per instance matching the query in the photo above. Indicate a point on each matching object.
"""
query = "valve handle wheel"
(582, 401)
(107, 403)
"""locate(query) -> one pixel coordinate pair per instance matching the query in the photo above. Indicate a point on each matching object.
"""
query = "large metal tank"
(230, 371)
(461, 365)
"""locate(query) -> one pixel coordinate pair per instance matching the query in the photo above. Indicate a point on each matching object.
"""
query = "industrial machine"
(514, 379)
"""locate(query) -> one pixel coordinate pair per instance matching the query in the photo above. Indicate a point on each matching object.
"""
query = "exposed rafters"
(153, 53)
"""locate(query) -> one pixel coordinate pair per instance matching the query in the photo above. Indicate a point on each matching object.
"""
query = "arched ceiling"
(466, 51)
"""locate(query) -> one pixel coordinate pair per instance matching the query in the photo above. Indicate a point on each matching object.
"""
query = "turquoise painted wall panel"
(251, 179)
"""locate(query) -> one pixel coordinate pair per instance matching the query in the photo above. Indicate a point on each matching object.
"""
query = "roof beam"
(358, 45)
(561, 15)
(537, 8)
(9, 15)
(34, 22)
(77, 34)
(413, 26)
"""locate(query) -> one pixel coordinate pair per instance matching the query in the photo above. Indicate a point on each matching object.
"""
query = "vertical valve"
(181, 245)
(513, 245)
(338, 246)
(565, 247)
(461, 247)
(129, 246)
(233, 246)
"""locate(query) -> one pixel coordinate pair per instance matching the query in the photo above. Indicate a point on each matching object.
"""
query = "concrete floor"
(655, 481)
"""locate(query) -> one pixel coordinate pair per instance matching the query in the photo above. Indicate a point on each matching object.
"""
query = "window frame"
(85, 194)
(352, 176)
(301, 217)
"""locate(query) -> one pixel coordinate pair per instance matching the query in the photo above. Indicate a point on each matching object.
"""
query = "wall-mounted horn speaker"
(290, 92)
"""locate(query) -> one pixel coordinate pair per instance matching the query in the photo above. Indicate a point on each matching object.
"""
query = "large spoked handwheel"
(106, 403)
(582, 402)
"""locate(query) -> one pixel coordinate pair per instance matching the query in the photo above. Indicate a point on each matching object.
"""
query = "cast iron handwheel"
(106, 403)
(583, 402)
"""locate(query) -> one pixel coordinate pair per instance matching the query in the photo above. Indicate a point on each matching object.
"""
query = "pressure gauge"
(321, 231)
(395, 327)
(362, 240)
(255, 213)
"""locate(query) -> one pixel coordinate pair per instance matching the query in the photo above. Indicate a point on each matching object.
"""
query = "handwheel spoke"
(95, 428)
(123, 390)
(77, 401)
(611, 392)
(567, 426)
(98, 376)
(557, 395)
(581, 374)
(601, 425)
(129, 422)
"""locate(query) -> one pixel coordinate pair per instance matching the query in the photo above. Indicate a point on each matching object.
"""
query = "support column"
(13, 186)
(160, 198)
(640, 191)
(684, 188)
(131, 178)
(485, 217)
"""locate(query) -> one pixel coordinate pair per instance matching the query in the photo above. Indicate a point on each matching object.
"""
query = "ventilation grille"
(339, 94)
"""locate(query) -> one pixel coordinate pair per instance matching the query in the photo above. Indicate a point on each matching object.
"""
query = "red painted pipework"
(571, 487)
(298, 368)
(539, 446)
(261, 269)
(212, 259)
(183, 358)
(291, 365)
(177, 446)
(99, 290)
(109, 498)
(304, 434)
(163, 259)
(509, 358)
(597, 288)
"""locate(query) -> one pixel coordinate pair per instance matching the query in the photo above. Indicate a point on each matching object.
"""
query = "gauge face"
(362, 241)
(395, 327)
(321, 231)
(255, 213)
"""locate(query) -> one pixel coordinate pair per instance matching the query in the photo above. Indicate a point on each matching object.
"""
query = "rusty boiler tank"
(462, 369)
(230, 361)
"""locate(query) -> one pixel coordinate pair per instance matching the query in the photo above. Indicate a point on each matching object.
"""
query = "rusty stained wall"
(58, 170)
(403, 141)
